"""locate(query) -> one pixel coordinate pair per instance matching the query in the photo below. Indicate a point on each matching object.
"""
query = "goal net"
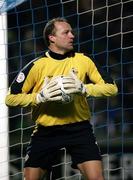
(104, 29)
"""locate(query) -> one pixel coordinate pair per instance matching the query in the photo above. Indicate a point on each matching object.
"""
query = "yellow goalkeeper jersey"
(29, 81)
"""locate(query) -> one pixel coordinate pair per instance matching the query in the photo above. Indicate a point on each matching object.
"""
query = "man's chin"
(71, 48)
(67, 51)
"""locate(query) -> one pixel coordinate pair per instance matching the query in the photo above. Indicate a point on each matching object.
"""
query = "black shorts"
(77, 138)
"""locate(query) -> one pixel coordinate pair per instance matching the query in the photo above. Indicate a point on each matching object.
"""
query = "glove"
(78, 86)
(50, 91)
(66, 86)
(66, 83)
(70, 84)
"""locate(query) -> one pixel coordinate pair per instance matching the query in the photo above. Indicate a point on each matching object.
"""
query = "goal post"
(4, 139)
(5, 5)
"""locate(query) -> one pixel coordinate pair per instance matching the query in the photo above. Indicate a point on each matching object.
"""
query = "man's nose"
(71, 35)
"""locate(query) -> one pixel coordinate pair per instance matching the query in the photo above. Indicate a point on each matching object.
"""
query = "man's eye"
(73, 32)
(66, 32)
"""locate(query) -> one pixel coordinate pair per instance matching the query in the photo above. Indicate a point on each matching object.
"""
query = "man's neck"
(57, 51)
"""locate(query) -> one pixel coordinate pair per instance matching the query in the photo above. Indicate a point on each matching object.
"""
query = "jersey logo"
(20, 77)
(26, 157)
(74, 70)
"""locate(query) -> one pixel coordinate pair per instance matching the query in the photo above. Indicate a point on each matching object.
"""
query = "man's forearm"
(22, 99)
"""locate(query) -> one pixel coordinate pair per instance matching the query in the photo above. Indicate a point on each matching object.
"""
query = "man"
(61, 123)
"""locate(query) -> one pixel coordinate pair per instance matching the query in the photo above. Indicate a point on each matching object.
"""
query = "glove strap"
(42, 94)
(82, 89)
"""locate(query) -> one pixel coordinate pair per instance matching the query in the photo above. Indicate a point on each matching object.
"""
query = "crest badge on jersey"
(20, 77)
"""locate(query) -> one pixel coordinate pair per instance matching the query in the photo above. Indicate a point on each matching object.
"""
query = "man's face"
(63, 37)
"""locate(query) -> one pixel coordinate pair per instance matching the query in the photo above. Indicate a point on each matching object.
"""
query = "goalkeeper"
(56, 86)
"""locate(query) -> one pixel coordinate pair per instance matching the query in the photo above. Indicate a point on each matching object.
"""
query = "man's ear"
(51, 38)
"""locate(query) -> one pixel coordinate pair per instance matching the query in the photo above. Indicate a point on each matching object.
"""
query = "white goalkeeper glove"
(71, 84)
(78, 86)
(50, 92)
(66, 86)
(66, 83)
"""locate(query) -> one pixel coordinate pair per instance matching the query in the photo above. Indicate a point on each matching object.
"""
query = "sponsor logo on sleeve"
(20, 77)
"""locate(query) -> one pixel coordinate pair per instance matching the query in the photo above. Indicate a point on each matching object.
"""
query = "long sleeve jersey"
(28, 83)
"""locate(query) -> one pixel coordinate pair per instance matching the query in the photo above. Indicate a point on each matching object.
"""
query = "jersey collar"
(60, 56)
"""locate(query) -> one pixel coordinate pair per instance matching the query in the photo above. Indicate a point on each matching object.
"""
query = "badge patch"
(20, 77)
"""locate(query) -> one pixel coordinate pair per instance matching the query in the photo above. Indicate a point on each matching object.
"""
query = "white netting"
(104, 30)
